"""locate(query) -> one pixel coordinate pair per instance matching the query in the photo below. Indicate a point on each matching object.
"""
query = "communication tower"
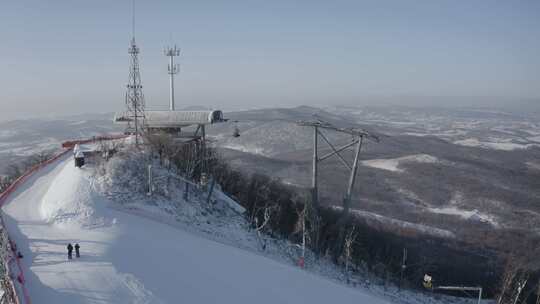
(173, 69)
(134, 96)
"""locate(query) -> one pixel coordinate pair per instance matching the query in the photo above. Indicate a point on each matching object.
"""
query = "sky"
(63, 57)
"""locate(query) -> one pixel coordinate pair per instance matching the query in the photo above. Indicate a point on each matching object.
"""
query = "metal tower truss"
(358, 138)
(134, 96)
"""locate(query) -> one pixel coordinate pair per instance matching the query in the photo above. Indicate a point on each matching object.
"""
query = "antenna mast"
(133, 19)
(173, 69)
(134, 96)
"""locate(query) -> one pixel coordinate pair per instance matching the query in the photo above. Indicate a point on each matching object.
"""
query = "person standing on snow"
(70, 251)
(77, 250)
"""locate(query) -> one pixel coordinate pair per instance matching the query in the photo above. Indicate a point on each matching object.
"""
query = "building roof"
(174, 119)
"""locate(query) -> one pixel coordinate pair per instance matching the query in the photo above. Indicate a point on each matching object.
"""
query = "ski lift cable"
(318, 120)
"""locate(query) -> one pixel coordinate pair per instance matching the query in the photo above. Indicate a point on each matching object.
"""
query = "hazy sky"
(71, 56)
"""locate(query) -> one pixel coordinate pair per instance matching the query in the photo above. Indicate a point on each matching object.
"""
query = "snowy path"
(130, 259)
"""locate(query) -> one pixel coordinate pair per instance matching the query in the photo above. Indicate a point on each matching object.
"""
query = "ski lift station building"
(174, 119)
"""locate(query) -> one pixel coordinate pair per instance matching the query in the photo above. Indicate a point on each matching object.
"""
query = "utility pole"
(203, 148)
(173, 69)
(403, 267)
(352, 177)
(314, 190)
(200, 134)
(304, 236)
(150, 181)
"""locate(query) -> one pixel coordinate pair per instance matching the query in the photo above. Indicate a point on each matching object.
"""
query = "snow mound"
(71, 200)
(392, 164)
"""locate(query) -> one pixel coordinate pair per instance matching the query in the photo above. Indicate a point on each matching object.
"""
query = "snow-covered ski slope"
(130, 259)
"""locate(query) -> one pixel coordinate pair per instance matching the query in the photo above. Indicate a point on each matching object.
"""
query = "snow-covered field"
(23, 149)
(504, 145)
(392, 164)
(131, 259)
(20, 139)
(484, 128)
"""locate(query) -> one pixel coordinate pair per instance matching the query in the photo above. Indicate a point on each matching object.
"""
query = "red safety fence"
(72, 143)
(27, 174)
(3, 197)
(13, 187)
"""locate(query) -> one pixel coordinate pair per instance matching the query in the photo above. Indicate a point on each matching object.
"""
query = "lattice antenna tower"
(173, 69)
(134, 96)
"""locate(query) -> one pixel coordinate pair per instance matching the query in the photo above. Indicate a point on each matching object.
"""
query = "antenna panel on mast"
(173, 69)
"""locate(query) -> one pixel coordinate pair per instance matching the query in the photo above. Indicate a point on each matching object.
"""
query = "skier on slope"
(77, 250)
(70, 251)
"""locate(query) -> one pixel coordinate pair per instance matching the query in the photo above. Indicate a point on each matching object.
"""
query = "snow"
(392, 164)
(75, 205)
(76, 123)
(268, 138)
(253, 149)
(132, 259)
(417, 134)
(532, 165)
(230, 202)
(85, 148)
(466, 214)
(535, 131)
(384, 164)
(396, 223)
(7, 133)
(496, 145)
(455, 207)
(391, 122)
(443, 134)
(534, 138)
(28, 148)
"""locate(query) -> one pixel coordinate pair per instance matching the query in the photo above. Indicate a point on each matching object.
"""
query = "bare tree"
(40, 157)
(4, 183)
(158, 142)
(108, 148)
(510, 272)
(267, 212)
(258, 193)
(309, 221)
(14, 171)
(520, 285)
(348, 249)
(300, 228)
